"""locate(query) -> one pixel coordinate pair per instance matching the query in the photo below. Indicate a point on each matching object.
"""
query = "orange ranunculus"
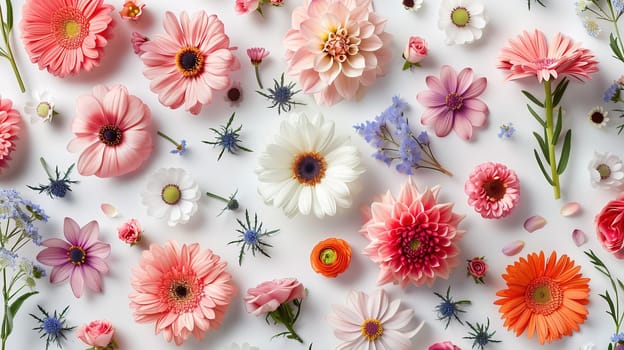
(331, 257)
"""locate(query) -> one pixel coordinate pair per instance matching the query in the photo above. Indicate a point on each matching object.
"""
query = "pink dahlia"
(413, 238)
(529, 55)
(336, 47)
(81, 259)
(191, 60)
(493, 190)
(9, 130)
(65, 36)
(112, 131)
(451, 102)
(183, 290)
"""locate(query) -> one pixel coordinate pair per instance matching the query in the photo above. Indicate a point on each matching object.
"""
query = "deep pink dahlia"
(493, 190)
(10, 121)
(413, 238)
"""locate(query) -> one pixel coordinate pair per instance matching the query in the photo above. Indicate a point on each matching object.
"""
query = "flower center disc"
(171, 194)
(338, 45)
(309, 168)
(190, 61)
(51, 325)
(495, 189)
(371, 329)
(328, 256)
(460, 16)
(110, 135)
(543, 296)
(251, 237)
(70, 27)
(454, 101)
(76, 255)
(43, 109)
(233, 94)
(597, 117)
(604, 171)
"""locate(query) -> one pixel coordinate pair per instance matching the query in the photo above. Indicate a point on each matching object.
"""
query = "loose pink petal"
(513, 248)
(570, 208)
(109, 210)
(579, 237)
(534, 223)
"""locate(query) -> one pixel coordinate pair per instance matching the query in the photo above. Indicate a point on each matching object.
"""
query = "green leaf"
(9, 11)
(536, 116)
(12, 311)
(533, 98)
(565, 153)
(613, 44)
(559, 91)
(541, 165)
(558, 126)
(542, 145)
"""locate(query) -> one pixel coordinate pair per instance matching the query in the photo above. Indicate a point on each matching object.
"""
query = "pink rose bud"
(277, 2)
(444, 345)
(610, 227)
(130, 232)
(477, 268)
(416, 50)
(97, 333)
(269, 295)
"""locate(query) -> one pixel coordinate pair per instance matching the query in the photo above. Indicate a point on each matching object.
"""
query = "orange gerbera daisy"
(546, 297)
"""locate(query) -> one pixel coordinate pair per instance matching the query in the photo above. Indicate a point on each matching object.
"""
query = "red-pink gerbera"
(493, 190)
(413, 238)
(182, 289)
(336, 47)
(112, 131)
(191, 60)
(529, 55)
(65, 36)
(9, 130)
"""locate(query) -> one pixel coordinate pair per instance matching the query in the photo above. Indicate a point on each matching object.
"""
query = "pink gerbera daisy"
(9, 129)
(451, 102)
(336, 48)
(529, 55)
(191, 60)
(112, 131)
(183, 290)
(65, 36)
(412, 238)
(82, 258)
(493, 190)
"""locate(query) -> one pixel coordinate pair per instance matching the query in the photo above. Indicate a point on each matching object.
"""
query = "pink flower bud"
(130, 232)
(416, 50)
(96, 333)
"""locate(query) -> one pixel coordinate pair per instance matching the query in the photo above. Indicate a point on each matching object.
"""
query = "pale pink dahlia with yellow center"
(336, 47)
(182, 289)
(413, 238)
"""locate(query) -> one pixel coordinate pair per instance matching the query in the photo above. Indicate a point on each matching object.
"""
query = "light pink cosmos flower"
(112, 131)
(10, 121)
(244, 6)
(81, 259)
(190, 61)
(413, 238)
(452, 104)
(65, 36)
(493, 190)
(336, 48)
(257, 54)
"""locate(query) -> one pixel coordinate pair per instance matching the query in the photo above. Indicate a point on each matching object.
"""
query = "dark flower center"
(190, 61)
(282, 94)
(371, 329)
(597, 117)
(76, 255)
(51, 325)
(251, 237)
(408, 3)
(495, 189)
(58, 188)
(110, 135)
(228, 140)
(309, 168)
(604, 171)
(454, 101)
(447, 309)
(181, 291)
(234, 94)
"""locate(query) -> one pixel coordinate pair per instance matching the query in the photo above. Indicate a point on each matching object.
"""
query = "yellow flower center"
(339, 44)
(70, 27)
(43, 109)
(328, 256)
(171, 194)
(460, 16)
(371, 329)
(543, 296)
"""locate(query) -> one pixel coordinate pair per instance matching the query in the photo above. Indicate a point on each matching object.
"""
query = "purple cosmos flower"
(451, 102)
(82, 258)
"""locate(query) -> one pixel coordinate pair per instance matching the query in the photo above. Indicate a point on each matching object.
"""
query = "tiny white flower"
(581, 5)
(412, 5)
(588, 346)
(244, 346)
(462, 21)
(598, 117)
(591, 27)
(606, 171)
(40, 107)
(171, 194)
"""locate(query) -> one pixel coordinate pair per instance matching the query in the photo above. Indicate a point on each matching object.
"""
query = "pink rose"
(416, 50)
(277, 2)
(269, 295)
(445, 345)
(477, 267)
(130, 232)
(97, 333)
(610, 227)
(244, 6)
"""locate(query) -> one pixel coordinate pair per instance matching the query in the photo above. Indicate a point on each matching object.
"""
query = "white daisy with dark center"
(307, 169)
(171, 194)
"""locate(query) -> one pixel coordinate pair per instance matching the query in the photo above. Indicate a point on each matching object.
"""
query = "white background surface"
(298, 235)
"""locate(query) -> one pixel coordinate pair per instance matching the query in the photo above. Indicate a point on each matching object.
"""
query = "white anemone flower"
(171, 194)
(40, 107)
(307, 169)
(462, 21)
(606, 171)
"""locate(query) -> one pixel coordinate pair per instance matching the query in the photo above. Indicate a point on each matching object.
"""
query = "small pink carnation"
(269, 295)
(97, 333)
(444, 345)
(10, 121)
(244, 6)
(130, 232)
(493, 190)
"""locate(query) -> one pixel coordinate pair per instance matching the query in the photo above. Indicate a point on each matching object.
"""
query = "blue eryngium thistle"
(52, 328)
(449, 309)
(57, 186)
(281, 95)
(228, 138)
(251, 237)
(230, 203)
(480, 334)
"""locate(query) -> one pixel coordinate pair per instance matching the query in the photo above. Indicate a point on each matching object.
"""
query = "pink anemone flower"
(65, 36)
(336, 48)
(493, 190)
(452, 104)
(189, 62)
(112, 131)
(81, 259)
(10, 121)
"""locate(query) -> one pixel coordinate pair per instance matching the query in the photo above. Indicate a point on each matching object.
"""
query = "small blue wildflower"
(180, 147)
(231, 202)
(618, 6)
(53, 327)
(449, 309)
(58, 186)
(423, 138)
(618, 337)
(381, 155)
(281, 95)
(591, 27)
(613, 93)
(7, 258)
(506, 131)
(252, 237)
(409, 154)
(480, 334)
(228, 138)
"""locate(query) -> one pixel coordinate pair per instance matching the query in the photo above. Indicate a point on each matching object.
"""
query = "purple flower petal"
(476, 89)
(61, 273)
(448, 77)
(91, 278)
(444, 124)
(534, 223)
(464, 80)
(579, 238)
(53, 256)
(463, 127)
(76, 282)
(71, 230)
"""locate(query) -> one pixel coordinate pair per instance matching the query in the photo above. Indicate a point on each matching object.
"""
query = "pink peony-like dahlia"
(336, 47)
(182, 289)
(190, 61)
(493, 190)
(65, 36)
(9, 130)
(112, 131)
(413, 238)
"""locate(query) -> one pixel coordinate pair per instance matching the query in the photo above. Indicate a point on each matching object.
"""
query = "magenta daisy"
(452, 104)
(81, 259)
(189, 62)
(493, 190)
(413, 238)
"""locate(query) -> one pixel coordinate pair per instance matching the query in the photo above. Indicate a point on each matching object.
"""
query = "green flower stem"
(258, 76)
(548, 106)
(212, 195)
(615, 25)
(285, 314)
(5, 297)
(166, 137)
(9, 52)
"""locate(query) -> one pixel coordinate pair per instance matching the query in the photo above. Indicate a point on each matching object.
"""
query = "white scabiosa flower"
(606, 171)
(307, 169)
(462, 21)
(171, 194)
